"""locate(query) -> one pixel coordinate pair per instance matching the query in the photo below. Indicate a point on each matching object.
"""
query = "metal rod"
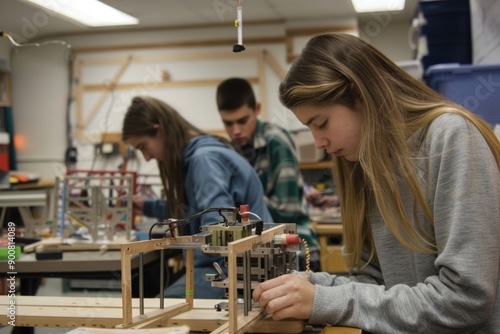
(162, 279)
(220, 271)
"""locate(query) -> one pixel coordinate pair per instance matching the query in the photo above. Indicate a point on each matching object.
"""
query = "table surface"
(23, 198)
(75, 262)
(107, 313)
(49, 183)
(326, 229)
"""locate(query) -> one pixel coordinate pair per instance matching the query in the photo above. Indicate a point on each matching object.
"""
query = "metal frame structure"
(99, 201)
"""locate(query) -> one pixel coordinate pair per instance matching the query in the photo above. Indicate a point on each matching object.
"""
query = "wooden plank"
(57, 243)
(316, 165)
(217, 322)
(70, 312)
(179, 44)
(78, 96)
(268, 325)
(163, 84)
(126, 286)
(94, 312)
(190, 276)
(67, 318)
(44, 183)
(232, 287)
(172, 57)
(306, 31)
(105, 94)
(154, 244)
(328, 229)
(112, 302)
(238, 247)
(142, 246)
(331, 257)
(280, 71)
(152, 318)
(244, 323)
(173, 330)
(341, 330)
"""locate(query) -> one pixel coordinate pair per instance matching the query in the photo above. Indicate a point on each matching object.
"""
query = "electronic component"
(252, 250)
(263, 262)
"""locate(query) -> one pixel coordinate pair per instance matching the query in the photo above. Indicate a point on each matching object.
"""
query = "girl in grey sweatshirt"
(419, 184)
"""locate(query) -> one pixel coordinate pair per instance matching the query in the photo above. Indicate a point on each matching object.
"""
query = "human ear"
(257, 108)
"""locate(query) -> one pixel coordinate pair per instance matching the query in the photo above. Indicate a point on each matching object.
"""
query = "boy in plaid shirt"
(271, 151)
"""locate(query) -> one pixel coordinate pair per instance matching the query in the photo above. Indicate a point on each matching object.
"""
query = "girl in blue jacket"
(198, 171)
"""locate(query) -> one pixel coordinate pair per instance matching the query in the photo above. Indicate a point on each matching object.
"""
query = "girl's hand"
(287, 296)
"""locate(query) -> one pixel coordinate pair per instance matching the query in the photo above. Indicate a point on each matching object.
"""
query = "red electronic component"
(287, 239)
(244, 208)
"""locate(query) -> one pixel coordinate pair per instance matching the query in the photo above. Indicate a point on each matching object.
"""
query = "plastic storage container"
(4, 151)
(447, 30)
(475, 87)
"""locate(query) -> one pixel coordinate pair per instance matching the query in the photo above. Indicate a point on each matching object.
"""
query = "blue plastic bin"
(475, 87)
(446, 19)
(448, 31)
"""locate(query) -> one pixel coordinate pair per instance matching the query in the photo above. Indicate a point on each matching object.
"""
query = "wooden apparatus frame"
(238, 323)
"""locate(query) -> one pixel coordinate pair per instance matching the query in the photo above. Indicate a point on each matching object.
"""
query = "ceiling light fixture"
(92, 13)
(367, 6)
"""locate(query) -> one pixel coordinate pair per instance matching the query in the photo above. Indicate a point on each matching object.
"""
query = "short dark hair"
(234, 93)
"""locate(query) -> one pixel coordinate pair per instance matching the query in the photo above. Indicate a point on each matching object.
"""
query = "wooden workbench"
(331, 257)
(24, 196)
(99, 313)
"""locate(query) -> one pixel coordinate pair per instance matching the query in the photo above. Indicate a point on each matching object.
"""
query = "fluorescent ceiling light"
(92, 13)
(366, 6)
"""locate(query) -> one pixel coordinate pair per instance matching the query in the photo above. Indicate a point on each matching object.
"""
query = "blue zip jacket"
(216, 176)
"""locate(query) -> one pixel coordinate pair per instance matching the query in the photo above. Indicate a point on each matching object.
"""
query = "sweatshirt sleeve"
(156, 208)
(208, 186)
(464, 197)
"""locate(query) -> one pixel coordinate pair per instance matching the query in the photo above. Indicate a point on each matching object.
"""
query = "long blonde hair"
(175, 132)
(344, 69)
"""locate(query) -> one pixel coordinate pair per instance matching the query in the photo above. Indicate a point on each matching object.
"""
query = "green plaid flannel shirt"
(273, 158)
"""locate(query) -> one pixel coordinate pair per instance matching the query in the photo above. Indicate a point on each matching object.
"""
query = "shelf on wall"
(315, 165)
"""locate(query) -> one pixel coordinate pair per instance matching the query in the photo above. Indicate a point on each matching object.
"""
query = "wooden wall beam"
(164, 28)
(172, 57)
(275, 65)
(180, 44)
(78, 96)
(293, 32)
(106, 93)
(176, 83)
(262, 87)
